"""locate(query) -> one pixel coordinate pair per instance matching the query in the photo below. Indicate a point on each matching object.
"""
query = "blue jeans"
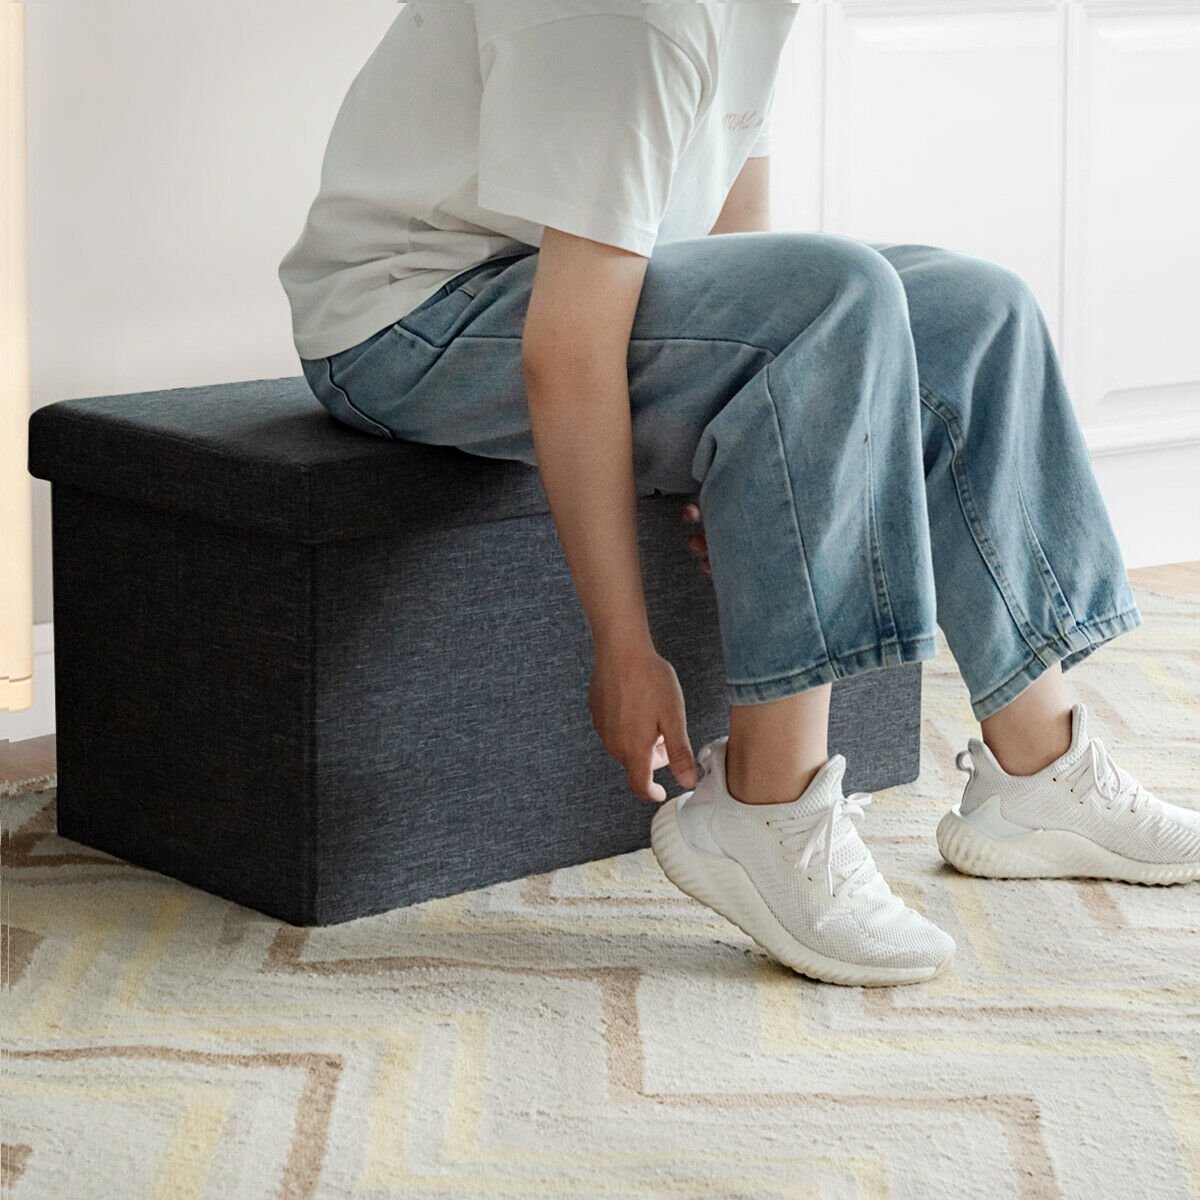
(880, 435)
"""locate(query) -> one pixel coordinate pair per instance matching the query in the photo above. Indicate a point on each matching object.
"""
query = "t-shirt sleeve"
(762, 144)
(582, 122)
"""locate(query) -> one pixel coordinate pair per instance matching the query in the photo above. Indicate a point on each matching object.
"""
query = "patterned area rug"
(594, 1033)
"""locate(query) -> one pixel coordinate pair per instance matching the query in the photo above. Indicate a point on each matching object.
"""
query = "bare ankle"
(776, 748)
(1034, 728)
(770, 782)
(1033, 752)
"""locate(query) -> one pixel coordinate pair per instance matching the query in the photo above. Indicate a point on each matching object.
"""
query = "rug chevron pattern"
(594, 1033)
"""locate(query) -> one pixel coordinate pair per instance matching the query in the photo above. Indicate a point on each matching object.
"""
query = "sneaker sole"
(723, 885)
(1046, 854)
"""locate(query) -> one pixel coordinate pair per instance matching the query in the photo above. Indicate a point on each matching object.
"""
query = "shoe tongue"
(825, 787)
(819, 797)
(1079, 723)
(1079, 739)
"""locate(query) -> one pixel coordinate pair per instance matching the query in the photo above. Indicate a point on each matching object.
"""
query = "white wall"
(175, 146)
(1061, 139)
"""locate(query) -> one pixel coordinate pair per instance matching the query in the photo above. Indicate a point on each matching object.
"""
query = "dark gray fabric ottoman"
(324, 674)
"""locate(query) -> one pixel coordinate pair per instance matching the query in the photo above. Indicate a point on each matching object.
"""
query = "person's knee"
(861, 271)
(864, 316)
(841, 270)
(973, 321)
(980, 297)
(795, 282)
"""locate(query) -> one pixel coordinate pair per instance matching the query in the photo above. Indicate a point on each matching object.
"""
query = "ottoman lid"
(265, 455)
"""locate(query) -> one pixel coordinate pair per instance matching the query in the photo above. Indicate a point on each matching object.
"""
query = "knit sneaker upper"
(813, 871)
(1085, 792)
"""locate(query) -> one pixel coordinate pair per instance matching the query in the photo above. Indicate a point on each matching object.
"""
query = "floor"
(20, 761)
(592, 1034)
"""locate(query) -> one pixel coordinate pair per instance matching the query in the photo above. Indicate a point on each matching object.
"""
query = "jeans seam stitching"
(1025, 665)
(1085, 627)
(787, 470)
(966, 503)
(1112, 616)
(341, 391)
(896, 643)
(885, 617)
(1064, 615)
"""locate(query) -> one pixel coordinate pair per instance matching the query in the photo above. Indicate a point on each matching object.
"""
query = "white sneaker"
(796, 877)
(1081, 817)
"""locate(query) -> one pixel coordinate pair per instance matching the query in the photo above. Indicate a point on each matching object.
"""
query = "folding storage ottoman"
(324, 674)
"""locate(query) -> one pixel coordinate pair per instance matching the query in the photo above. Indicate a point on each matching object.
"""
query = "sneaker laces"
(818, 832)
(1112, 782)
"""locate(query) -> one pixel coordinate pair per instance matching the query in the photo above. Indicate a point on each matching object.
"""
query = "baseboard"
(38, 719)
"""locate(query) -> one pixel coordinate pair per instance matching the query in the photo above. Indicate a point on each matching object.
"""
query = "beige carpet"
(594, 1033)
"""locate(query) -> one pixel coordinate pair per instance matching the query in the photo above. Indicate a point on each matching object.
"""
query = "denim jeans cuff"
(1068, 649)
(868, 658)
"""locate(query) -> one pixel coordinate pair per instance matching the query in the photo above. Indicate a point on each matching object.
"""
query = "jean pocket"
(335, 401)
(473, 280)
(470, 287)
(438, 319)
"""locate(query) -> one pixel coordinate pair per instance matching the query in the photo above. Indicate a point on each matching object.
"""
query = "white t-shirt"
(472, 126)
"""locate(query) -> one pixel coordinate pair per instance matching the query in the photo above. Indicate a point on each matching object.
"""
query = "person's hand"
(697, 541)
(637, 709)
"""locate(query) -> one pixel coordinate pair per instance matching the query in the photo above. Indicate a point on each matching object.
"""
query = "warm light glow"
(16, 551)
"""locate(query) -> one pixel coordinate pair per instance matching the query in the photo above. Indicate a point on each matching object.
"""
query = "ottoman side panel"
(454, 743)
(454, 746)
(182, 684)
(875, 721)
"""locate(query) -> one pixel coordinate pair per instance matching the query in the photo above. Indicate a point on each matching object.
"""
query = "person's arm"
(584, 117)
(747, 206)
(574, 356)
(747, 209)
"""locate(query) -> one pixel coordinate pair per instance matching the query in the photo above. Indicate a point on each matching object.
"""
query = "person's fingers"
(659, 756)
(697, 542)
(640, 777)
(679, 751)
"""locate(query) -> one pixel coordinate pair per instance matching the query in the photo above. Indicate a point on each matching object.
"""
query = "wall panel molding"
(1058, 137)
(1132, 238)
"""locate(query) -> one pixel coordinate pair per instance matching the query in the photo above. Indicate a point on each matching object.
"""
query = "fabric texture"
(472, 127)
(263, 456)
(841, 906)
(326, 729)
(879, 435)
(583, 122)
(592, 1032)
(1069, 794)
